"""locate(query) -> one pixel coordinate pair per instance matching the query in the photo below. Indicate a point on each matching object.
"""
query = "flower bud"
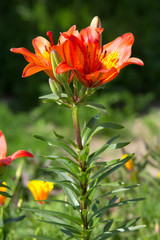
(96, 22)
(56, 60)
(55, 87)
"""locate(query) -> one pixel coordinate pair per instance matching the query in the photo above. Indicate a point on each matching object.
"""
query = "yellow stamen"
(110, 60)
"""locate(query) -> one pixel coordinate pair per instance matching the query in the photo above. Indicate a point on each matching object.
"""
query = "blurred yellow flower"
(3, 198)
(129, 165)
(159, 175)
(40, 189)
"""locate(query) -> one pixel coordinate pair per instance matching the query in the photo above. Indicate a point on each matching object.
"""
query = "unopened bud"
(96, 22)
(55, 87)
(56, 59)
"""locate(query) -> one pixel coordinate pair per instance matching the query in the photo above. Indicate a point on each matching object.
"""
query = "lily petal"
(122, 45)
(3, 146)
(29, 56)
(40, 45)
(63, 67)
(101, 77)
(21, 153)
(31, 69)
(6, 161)
(132, 60)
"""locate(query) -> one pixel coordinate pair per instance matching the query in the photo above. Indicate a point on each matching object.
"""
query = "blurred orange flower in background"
(129, 165)
(40, 189)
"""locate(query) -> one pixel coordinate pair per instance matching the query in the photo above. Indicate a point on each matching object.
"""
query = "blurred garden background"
(132, 99)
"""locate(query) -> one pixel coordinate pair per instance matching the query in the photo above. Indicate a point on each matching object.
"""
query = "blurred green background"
(132, 99)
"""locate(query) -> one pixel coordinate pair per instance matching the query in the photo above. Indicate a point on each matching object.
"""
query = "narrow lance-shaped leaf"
(94, 155)
(59, 143)
(91, 124)
(97, 106)
(100, 127)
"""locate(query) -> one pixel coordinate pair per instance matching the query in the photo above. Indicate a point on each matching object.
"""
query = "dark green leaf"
(57, 135)
(17, 219)
(108, 225)
(5, 194)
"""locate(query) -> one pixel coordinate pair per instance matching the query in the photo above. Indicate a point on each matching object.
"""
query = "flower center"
(110, 60)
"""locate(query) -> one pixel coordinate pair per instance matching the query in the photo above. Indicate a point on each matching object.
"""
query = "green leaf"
(102, 210)
(66, 161)
(108, 225)
(60, 215)
(94, 156)
(114, 168)
(66, 226)
(86, 129)
(59, 143)
(93, 121)
(5, 194)
(57, 135)
(59, 169)
(59, 201)
(52, 96)
(109, 234)
(128, 188)
(97, 106)
(70, 194)
(104, 172)
(17, 219)
(100, 127)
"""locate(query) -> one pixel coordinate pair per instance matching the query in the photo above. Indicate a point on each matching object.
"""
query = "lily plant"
(77, 66)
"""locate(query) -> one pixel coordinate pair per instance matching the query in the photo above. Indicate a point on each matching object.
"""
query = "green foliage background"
(21, 21)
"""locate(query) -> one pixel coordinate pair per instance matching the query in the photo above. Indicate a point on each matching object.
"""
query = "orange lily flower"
(3, 152)
(93, 64)
(40, 189)
(41, 60)
(3, 198)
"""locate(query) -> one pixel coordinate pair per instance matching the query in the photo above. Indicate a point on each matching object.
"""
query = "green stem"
(83, 202)
(75, 115)
(68, 91)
